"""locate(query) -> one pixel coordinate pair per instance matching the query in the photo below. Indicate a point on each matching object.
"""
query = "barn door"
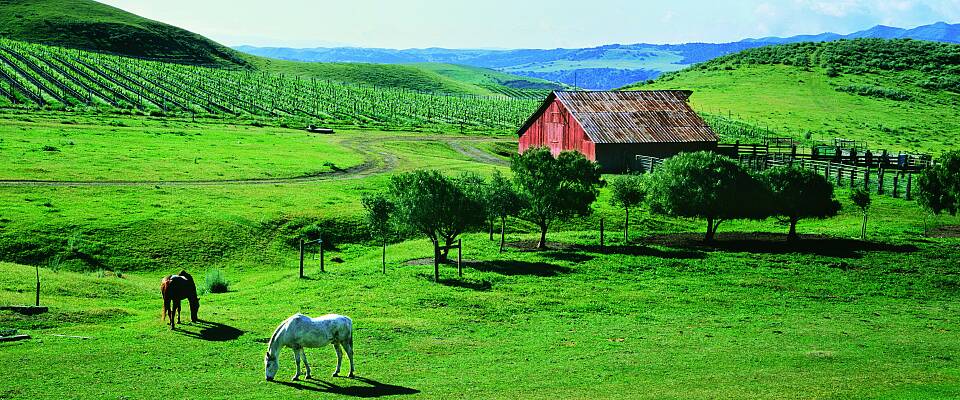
(554, 127)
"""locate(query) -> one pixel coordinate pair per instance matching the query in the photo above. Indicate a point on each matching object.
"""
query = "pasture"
(664, 317)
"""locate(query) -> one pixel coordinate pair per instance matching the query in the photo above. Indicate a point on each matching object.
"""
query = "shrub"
(215, 282)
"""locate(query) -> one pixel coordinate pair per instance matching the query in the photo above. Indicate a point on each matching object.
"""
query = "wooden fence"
(892, 179)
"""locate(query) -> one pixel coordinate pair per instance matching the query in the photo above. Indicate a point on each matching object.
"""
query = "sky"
(510, 24)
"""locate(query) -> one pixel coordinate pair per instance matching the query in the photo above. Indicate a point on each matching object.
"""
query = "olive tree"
(627, 192)
(938, 187)
(798, 193)
(554, 188)
(861, 198)
(437, 206)
(378, 209)
(709, 186)
(503, 201)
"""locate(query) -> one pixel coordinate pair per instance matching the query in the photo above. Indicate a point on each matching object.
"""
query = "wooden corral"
(614, 127)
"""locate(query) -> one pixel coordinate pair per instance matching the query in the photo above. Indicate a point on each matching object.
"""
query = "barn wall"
(617, 158)
(558, 130)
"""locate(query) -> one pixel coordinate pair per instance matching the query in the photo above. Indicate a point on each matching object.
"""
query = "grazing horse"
(175, 288)
(301, 331)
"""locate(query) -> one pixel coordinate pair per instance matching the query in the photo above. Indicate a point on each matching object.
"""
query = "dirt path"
(376, 161)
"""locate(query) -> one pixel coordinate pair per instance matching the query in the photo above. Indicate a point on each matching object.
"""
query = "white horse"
(301, 331)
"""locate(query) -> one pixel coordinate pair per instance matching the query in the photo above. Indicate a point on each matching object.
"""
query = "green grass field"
(124, 149)
(664, 317)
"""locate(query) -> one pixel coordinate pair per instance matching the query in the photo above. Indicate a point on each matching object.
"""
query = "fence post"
(839, 176)
(301, 258)
(896, 185)
(909, 184)
(460, 257)
(880, 182)
(866, 179)
(853, 174)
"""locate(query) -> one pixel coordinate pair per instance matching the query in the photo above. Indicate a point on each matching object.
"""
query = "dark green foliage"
(938, 187)
(861, 198)
(707, 185)
(554, 189)
(378, 208)
(798, 193)
(215, 282)
(437, 206)
(502, 201)
(627, 192)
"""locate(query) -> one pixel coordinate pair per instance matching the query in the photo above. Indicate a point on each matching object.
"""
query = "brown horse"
(175, 288)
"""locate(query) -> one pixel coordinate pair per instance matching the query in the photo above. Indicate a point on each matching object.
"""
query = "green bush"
(215, 282)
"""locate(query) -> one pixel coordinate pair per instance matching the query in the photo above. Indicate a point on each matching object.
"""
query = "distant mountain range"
(603, 67)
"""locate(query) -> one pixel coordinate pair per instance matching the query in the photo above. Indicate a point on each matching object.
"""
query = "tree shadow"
(480, 286)
(569, 256)
(513, 267)
(776, 243)
(640, 250)
(212, 331)
(373, 388)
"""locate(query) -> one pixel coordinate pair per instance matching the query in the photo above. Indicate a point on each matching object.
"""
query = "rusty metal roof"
(643, 116)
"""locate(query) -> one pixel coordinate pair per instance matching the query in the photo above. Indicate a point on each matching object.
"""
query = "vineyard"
(34, 75)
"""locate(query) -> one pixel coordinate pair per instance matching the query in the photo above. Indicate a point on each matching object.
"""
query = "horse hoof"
(351, 375)
(336, 374)
(296, 378)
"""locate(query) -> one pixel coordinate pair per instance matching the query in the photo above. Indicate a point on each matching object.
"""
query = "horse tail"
(349, 335)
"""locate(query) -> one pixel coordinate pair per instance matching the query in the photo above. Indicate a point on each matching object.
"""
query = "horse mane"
(273, 337)
(184, 274)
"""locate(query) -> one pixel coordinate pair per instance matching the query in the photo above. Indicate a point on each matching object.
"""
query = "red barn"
(614, 127)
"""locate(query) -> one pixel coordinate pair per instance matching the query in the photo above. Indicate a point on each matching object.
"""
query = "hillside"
(39, 76)
(893, 94)
(89, 25)
(601, 67)
(428, 77)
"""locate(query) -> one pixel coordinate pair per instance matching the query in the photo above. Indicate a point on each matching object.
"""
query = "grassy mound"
(893, 94)
(89, 25)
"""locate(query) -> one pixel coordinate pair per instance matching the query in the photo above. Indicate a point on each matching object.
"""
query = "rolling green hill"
(893, 94)
(89, 25)
(427, 77)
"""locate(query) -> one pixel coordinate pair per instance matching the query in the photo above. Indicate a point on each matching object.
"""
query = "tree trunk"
(445, 253)
(436, 263)
(793, 229)
(503, 230)
(542, 244)
(626, 227)
(710, 230)
(863, 229)
(491, 229)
